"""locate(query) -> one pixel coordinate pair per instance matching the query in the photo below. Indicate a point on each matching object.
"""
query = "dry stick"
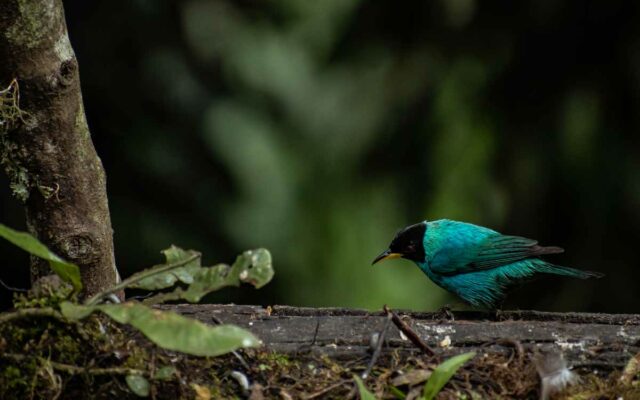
(307, 347)
(379, 344)
(139, 276)
(516, 345)
(315, 333)
(11, 288)
(74, 369)
(326, 390)
(152, 374)
(410, 333)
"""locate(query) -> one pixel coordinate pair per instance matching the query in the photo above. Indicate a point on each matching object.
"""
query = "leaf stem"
(74, 369)
(139, 276)
(31, 312)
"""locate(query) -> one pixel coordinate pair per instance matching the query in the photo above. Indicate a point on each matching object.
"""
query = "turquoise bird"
(476, 263)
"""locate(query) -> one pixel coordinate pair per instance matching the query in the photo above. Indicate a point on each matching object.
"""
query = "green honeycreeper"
(476, 263)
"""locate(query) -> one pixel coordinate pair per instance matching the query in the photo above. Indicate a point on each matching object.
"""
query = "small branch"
(379, 344)
(43, 312)
(410, 333)
(140, 276)
(31, 312)
(74, 369)
(307, 347)
(325, 390)
(11, 288)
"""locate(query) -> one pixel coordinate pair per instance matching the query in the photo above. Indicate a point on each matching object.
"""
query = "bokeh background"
(318, 128)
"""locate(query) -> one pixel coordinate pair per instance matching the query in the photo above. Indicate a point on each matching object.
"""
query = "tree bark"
(46, 147)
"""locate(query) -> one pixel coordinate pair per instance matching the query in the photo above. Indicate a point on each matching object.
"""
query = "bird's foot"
(500, 315)
(445, 314)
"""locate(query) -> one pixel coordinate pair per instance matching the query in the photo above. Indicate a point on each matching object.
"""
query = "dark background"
(318, 128)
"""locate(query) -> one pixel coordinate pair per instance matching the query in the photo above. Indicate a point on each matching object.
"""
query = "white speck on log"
(437, 329)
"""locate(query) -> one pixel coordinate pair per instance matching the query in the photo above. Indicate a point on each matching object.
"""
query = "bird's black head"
(408, 244)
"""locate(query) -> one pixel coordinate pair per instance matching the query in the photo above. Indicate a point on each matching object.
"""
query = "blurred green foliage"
(317, 129)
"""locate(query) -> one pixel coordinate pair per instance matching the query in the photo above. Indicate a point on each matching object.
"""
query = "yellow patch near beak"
(386, 255)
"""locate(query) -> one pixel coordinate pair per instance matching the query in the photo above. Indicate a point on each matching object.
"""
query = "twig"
(74, 369)
(12, 289)
(516, 345)
(141, 297)
(42, 312)
(31, 312)
(315, 333)
(139, 276)
(379, 344)
(306, 347)
(410, 333)
(152, 374)
(325, 390)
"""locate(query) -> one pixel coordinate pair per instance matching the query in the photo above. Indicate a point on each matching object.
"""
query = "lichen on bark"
(47, 152)
(10, 116)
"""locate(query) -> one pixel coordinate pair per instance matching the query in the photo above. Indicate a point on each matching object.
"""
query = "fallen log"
(592, 341)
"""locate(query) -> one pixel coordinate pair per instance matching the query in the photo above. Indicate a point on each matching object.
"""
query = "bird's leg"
(499, 313)
(445, 313)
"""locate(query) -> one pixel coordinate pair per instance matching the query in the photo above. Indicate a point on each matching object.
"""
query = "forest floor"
(315, 353)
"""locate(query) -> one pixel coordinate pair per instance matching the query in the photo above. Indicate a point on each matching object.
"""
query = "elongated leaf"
(68, 272)
(397, 392)
(75, 311)
(162, 280)
(443, 373)
(170, 330)
(253, 266)
(138, 384)
(362, 390)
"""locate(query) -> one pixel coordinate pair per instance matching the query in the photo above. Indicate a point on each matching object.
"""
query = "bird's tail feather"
(567, 271)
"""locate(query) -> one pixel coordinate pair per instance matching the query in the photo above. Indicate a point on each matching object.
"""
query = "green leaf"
(443, 373)
(253, 266)
(68, 272)
(75, 311)
(397, 392)
(362, 390)
(166, 279)
(165, 373)
(174, 332)
(138, 384)
(170, 330)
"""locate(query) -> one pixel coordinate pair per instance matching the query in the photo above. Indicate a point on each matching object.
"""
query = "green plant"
(166, 329)
(364, 393)
(66, 271)
(443, 373)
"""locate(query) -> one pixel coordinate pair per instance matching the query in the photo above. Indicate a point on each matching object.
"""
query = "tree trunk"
(46, 147)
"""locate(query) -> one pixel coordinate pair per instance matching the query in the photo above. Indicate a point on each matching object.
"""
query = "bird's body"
(475, 263)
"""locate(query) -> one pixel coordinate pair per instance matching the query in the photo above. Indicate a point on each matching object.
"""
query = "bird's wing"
(501, 250)
(467, 251)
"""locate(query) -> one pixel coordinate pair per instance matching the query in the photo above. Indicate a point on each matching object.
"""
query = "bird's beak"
(386, 255)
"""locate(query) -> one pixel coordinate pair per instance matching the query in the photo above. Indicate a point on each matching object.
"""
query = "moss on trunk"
(47, 151)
